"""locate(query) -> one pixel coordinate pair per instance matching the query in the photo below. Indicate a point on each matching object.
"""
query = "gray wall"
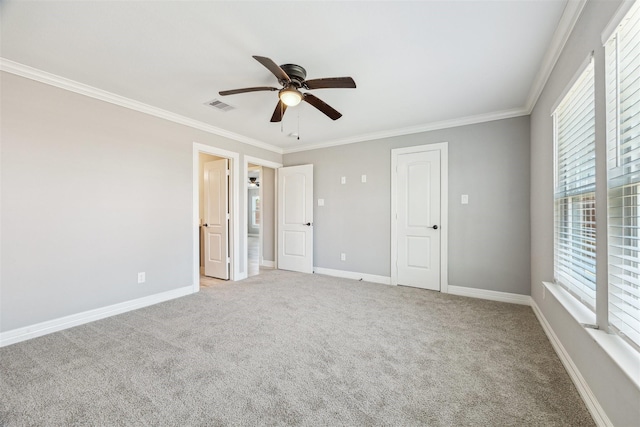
(488, 238)
(268, 186)
(92, 193)
(618, 396)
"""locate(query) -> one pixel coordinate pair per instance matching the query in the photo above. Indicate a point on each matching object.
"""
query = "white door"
(216, 219)
(418, 219)
(295, 218)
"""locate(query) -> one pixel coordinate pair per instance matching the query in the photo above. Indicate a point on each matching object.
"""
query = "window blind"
(575, 227)
(622, 53)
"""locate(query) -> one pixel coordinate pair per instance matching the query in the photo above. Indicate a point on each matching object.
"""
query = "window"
(622, 70)
(575, 228)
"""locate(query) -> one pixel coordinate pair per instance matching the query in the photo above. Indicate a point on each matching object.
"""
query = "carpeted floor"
(285, 348)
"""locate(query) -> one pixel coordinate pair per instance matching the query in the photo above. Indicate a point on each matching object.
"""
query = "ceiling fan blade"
(279, 112)
(331, 82)
(246, 89)
(273, 67)
(322, 106)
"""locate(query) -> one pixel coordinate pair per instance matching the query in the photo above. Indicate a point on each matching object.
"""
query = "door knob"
(435, 227)
(308, 224)
(205, 225)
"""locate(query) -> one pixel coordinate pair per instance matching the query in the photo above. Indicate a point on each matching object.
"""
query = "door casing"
(234, 223)
(268, 164)
(444, 200)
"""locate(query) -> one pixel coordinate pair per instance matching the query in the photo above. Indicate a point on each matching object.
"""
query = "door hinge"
(228, 260)
(228, 216)
(228, 172)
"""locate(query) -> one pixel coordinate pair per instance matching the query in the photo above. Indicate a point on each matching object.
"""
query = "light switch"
(343, 180)
(320, 202)
(364, 178)
(464, 199)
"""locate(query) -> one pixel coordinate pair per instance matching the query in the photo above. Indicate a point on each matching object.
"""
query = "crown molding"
(570, 15)
(445, 124)
(90, 91)
(567, 22)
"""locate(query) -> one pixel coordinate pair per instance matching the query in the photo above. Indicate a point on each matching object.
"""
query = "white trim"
(445, 124)
(583, 66)
(595, 409)
(268, 164)
(90, 91)
(580, 312)
(612, 26)
(373, 278)
(444, 220)
(261, 162)
(621, 352)
(83, 89)
(66, 322)
(570, 16)
(443, 147)
(453, 290)
(234, 241)
(490, 295)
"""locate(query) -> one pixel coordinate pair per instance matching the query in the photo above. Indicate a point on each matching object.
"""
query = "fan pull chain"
(298, 124)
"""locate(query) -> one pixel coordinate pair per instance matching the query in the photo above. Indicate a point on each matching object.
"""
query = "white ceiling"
(416, 64)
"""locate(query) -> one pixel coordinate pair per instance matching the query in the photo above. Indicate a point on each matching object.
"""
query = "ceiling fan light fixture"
(290, 97)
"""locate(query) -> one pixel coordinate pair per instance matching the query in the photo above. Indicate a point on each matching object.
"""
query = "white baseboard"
(353, 275)
(268, 264)
(55, 325)
(490, 295)
(596, 411)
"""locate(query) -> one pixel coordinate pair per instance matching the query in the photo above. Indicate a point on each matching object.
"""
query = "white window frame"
(623, 171)
(575, 239)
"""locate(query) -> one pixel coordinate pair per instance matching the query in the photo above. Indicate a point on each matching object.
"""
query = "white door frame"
(443, 147)
(234, 232)
(268, 164)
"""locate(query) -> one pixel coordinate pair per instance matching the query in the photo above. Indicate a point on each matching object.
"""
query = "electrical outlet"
(343, 256)
(343, 180)
(142, 277)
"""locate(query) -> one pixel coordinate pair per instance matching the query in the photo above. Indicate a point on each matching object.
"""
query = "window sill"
(620, 352)
(625, 356)
(579, 311)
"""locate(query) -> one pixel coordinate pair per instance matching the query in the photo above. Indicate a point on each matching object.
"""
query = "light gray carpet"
(291, 349)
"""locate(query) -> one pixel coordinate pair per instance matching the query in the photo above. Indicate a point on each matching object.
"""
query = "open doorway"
(260, 214)
(254, 219)
(215, 235)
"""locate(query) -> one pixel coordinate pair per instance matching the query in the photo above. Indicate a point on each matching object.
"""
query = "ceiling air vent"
(219, 105)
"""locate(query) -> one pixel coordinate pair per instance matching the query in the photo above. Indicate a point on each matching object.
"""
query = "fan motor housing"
(295, 72)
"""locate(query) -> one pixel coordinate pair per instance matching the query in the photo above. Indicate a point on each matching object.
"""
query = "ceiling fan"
(292, 78)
